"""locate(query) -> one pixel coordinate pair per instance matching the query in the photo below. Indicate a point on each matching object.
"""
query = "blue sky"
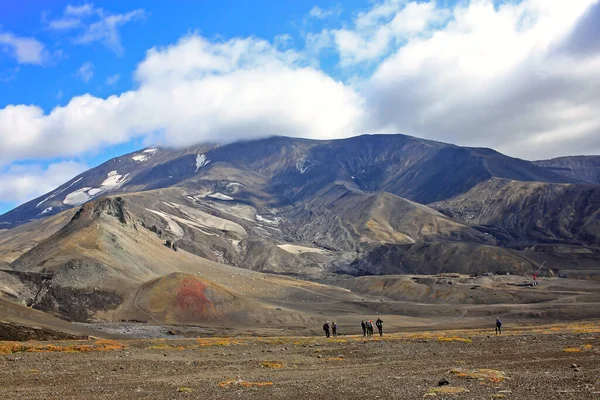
(83, 82)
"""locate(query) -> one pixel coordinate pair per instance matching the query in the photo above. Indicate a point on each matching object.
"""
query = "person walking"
(370, 328)
(498, 326)
(334, 329)
(326, 329)
(379, 324)
(363, 324)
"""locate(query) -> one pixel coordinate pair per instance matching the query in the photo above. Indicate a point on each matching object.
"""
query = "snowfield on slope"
(294, 249)
(144, 155)
(80, 196)
(201, 161)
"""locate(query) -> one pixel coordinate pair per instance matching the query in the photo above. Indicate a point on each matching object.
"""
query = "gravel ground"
(530, 364)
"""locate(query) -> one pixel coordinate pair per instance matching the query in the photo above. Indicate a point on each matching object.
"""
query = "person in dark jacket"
(334, 329)
(370, 328)
(326, 328)
(364, 328)
(379, 325)
(498, 326)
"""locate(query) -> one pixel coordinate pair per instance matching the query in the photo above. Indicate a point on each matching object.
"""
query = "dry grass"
(165, 346)
(447, 390)
(271, 364)
(33, 347)
(185, 390)
(240, 382)
(483, 374)
(220, 342)
(572, 350)
(334, 359)
(454, 339)
(585, 347)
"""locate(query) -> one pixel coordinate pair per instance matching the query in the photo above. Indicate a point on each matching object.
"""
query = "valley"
(281, 234)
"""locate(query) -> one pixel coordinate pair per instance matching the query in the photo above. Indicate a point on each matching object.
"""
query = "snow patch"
(275, 221)
(46, 211)
(114, 180)
(172, 226)
(57, 193)
(140, 157)
(80, 196)
(200, 219)
(144, 155)
(220, 196)
(201, 161)
(302, 166)
(291, 248)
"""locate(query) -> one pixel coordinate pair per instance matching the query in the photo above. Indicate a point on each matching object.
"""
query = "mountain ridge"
(420, 170)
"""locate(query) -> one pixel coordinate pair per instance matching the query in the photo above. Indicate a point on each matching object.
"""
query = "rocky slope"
(583, 168)
(292, 170)
(530, 212)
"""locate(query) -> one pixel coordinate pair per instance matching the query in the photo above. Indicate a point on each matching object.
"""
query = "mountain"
(582, 168)
(530, 212)
(291, 170)
(251, 231)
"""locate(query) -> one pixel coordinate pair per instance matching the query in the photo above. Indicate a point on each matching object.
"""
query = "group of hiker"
(330, 328)
(367, 328)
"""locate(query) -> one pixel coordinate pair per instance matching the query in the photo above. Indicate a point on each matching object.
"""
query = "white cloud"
(19, 183)
(85, 9)
(111, 80)
(95, 24)
(195, 90)
(25, 49)
(377, 31)
(85, 72)
(493, 77)
(320, 13)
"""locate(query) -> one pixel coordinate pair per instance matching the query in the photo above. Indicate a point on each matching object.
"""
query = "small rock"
(574, 366)
(341, 356)
(577, 369)
(319, 356)
(165, 354)
(443, 382)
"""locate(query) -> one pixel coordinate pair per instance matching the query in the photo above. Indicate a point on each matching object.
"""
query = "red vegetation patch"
(190, 295)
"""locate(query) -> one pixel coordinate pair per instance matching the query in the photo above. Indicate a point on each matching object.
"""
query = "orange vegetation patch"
(572, 350)
(209, 342)
(271, 364)
(447, 390)
(483, 374)
(240, 382)
(454, 339)
(11, 347)
(585, 347)
(100, 345)
(334, 359)
(164, 346)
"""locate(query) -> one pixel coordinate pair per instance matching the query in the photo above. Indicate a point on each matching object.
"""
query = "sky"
(83, 82)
